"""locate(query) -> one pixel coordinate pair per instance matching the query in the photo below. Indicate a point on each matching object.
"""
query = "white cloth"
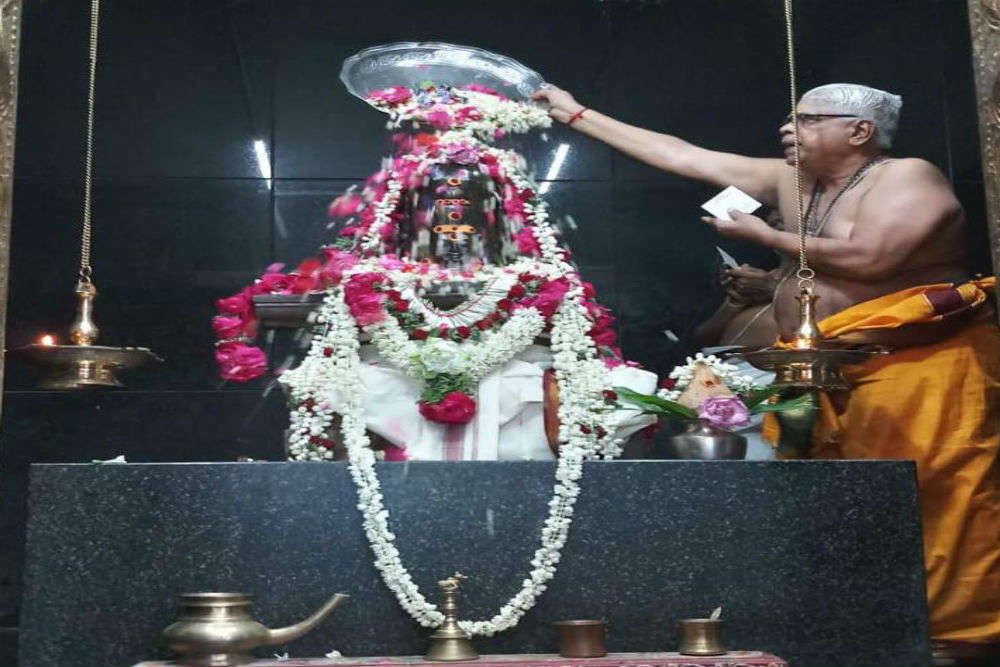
(509, 421)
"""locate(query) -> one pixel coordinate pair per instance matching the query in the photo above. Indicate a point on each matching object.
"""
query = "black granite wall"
(184, 216)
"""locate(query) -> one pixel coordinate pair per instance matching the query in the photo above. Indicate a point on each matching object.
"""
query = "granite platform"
(818, 562)
(729, 659)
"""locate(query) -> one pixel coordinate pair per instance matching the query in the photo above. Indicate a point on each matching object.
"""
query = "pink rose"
(526, 242)
(390, 263)
(439, 118)
(239, 362)
(724, 411)
(363, 301)
(344, 206)
(550, 295)
(237, 304)
(394, 453)
(228, 327)
(456, 407)
(271, 282)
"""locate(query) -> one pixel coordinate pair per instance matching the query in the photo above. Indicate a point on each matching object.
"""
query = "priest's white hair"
(872, 104)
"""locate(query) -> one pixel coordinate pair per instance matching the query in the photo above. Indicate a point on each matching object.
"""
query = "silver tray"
(411, 63)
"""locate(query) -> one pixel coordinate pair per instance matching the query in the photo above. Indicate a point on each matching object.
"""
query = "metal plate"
(409, 64)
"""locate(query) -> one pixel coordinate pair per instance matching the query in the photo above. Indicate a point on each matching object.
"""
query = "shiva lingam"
(82, 364)
(216, 630)
(808, 363)
(450, 642)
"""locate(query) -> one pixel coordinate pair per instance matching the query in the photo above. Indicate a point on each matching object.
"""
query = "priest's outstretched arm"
(755, 176)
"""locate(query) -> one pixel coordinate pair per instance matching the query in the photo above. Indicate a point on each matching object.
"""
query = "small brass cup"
(581, 638)
(701, 636)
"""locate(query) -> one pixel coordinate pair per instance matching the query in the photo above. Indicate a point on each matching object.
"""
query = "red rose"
(610, 395)
(483, 325)
(668, 383)
(585, 429)
(516, 291)
(455, 408)
(418, 334)
(400, 305)
(495, 316)
(464, 332)
(505, 304)
(393, 294)
(327, 351)
(525, 277)
(601, 432)
(443, 331)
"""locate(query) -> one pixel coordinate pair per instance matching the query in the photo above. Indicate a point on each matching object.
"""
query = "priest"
(885, 237)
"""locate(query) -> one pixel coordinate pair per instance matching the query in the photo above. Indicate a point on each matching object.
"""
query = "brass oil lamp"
(83, 364)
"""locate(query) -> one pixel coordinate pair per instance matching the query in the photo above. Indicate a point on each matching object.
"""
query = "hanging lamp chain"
(85, 235)
(804, 273)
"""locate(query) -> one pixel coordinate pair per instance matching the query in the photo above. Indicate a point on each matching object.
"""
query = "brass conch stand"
(84, 364)
(450, 642)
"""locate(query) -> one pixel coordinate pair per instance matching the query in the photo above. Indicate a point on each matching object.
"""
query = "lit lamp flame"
(47, 340)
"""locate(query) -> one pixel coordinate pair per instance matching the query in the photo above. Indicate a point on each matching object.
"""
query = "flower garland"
(371, 292)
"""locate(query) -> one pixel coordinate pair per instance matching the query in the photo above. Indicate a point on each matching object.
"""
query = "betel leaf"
(655, 405)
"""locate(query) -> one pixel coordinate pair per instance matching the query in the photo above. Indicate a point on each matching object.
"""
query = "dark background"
(183, 215)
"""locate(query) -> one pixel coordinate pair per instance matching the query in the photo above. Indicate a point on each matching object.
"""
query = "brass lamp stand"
(83, 364)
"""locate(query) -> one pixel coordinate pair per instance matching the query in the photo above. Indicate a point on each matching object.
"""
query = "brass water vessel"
(216, 629)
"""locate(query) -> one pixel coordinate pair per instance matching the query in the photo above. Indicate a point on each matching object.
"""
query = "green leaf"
(759, 395)
(803, 402)
(654, 405)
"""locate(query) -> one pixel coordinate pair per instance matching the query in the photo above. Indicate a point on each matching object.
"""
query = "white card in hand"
(729, 199)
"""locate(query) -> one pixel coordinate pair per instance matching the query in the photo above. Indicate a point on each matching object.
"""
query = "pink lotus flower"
(456, 407)
(724, 411)
(239, 362)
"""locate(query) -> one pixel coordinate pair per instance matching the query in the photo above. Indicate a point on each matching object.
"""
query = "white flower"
(442, 356)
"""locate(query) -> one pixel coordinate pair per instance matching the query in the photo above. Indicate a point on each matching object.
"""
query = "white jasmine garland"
(332, 368)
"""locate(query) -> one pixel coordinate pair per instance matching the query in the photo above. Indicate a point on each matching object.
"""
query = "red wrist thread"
(576, 116)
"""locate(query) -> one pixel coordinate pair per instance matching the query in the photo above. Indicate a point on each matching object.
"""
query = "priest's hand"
(749, 286)
(562, 106)
(742, 226)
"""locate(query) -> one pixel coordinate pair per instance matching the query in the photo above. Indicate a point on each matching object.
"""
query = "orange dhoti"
(939, 405)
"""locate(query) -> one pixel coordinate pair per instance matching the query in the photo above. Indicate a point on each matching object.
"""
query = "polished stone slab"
(672, 659)
(815, 561)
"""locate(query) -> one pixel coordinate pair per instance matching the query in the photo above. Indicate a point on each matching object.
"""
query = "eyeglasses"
(810, 118)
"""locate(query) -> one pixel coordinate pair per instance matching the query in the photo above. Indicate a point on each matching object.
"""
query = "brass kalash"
(83, 364)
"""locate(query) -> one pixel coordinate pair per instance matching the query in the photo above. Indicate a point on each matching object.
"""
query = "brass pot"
(216, 629)
(702, 441)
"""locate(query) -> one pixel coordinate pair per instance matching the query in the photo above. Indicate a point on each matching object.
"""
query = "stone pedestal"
(815, 561)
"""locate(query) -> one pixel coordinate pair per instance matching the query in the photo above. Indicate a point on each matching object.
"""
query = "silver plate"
(411, 63)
